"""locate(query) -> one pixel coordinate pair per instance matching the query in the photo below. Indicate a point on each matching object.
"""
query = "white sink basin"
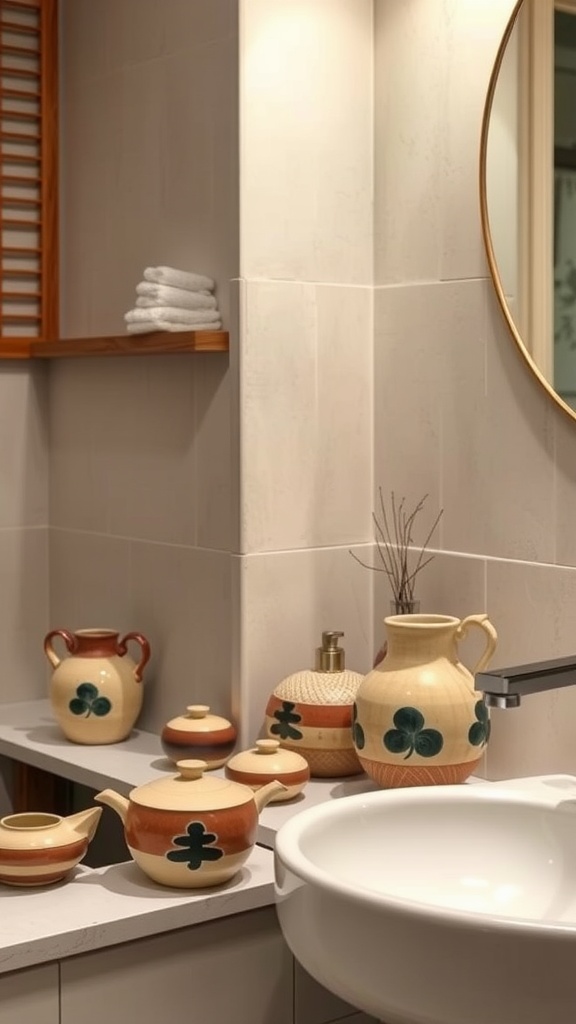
(439, 905)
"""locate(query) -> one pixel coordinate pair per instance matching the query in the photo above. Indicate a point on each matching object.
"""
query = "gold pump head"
(330, 657)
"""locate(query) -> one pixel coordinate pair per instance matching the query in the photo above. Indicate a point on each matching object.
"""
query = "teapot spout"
(267, 793)
(118, 803)
(85, 822)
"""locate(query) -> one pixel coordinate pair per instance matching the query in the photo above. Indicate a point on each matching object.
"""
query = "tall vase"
(417, 719)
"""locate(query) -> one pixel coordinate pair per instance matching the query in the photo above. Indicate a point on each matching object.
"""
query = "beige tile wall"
(143, 480)
(457, 413)
(23, 530)
(305, 407)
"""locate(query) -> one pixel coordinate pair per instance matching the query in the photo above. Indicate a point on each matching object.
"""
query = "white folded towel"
(181, 298)
(172, 315)
(178, 278)
(147, 326)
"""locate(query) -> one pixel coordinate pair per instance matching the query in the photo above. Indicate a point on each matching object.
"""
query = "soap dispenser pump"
(311, 712)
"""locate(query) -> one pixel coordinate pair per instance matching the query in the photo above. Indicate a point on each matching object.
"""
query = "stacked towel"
(173, 300)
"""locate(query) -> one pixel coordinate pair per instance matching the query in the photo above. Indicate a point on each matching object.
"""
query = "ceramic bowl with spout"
(190, 830)
(39, 849)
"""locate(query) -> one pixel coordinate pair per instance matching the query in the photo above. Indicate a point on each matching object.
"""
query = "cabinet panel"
(30, 995)
(237, 969)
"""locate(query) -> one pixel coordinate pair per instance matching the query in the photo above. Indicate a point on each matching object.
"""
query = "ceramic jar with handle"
(417, 719)
(96, 692)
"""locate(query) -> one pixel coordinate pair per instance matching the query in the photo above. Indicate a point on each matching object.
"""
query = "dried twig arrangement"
(394, 542)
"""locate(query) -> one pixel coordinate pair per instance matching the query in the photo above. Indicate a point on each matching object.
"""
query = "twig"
(394, 543)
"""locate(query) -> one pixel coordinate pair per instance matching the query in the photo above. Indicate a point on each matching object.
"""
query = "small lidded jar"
(268, 761)
(199, 735)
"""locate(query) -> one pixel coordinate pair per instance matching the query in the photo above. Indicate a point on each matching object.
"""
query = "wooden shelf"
(157, 343)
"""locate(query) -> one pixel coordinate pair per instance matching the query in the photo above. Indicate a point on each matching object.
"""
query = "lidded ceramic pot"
(188, 830)
(310, 712)
(200, 735)
(418, 720)
(265, 762)
(96, 693)
(40, 849)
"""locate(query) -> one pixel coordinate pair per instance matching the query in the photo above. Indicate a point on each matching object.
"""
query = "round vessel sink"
(438, 905)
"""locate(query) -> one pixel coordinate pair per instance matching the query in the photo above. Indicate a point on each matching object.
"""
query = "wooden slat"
(21, 5)
(19, 275)
(20, 296)
(18, 115)
(19, 94)
(19, 252)
(21, 201)
(49, 152)
(19, 137)
(9, 72)
(18, 51)
(20, 225)
(17, 28)
(19, 318)
(19, 179)
(20, 158)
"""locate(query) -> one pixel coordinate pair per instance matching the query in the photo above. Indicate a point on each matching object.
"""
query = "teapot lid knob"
(197, 710)
(191, 769)
(267, 746)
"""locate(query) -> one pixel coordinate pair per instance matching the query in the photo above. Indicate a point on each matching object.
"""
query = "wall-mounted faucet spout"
(505, 687)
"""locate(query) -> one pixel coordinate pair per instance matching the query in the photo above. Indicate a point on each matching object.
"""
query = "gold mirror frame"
(485, 220)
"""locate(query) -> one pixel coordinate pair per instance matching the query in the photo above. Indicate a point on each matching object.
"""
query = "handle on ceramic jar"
(144, 657)
(68, 638)
(483, 622)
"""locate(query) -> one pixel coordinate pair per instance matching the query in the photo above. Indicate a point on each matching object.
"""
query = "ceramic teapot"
(39, 849)
(188, 830)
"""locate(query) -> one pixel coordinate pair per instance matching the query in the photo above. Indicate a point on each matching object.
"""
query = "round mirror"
(528, 188)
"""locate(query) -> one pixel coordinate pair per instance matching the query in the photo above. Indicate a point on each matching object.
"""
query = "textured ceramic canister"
(310, 712)
(418, 720)
(188, 830)
(40, 849)
(200, 735)
(96, 692)
(267, 761)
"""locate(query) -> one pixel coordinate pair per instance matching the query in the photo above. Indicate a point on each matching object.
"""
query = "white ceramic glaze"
(439, 904)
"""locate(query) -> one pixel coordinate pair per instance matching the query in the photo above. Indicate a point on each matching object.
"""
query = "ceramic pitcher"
(417, 719)
(96, 692)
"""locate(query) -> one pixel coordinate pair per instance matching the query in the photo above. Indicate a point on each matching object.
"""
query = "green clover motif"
(410, 735)
(88, 702)
(357, 730)
(479, 732)
(286, 719)
(197, 847)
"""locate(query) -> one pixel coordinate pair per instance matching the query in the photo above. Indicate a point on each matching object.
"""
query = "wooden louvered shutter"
(28, 174)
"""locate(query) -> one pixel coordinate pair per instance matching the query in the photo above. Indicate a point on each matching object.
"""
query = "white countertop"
(102, 907)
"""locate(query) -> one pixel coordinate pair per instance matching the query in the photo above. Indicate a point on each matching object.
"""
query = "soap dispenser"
(311, 712)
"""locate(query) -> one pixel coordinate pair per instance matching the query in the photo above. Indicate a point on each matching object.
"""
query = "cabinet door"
(30, 995)
(237, 969)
